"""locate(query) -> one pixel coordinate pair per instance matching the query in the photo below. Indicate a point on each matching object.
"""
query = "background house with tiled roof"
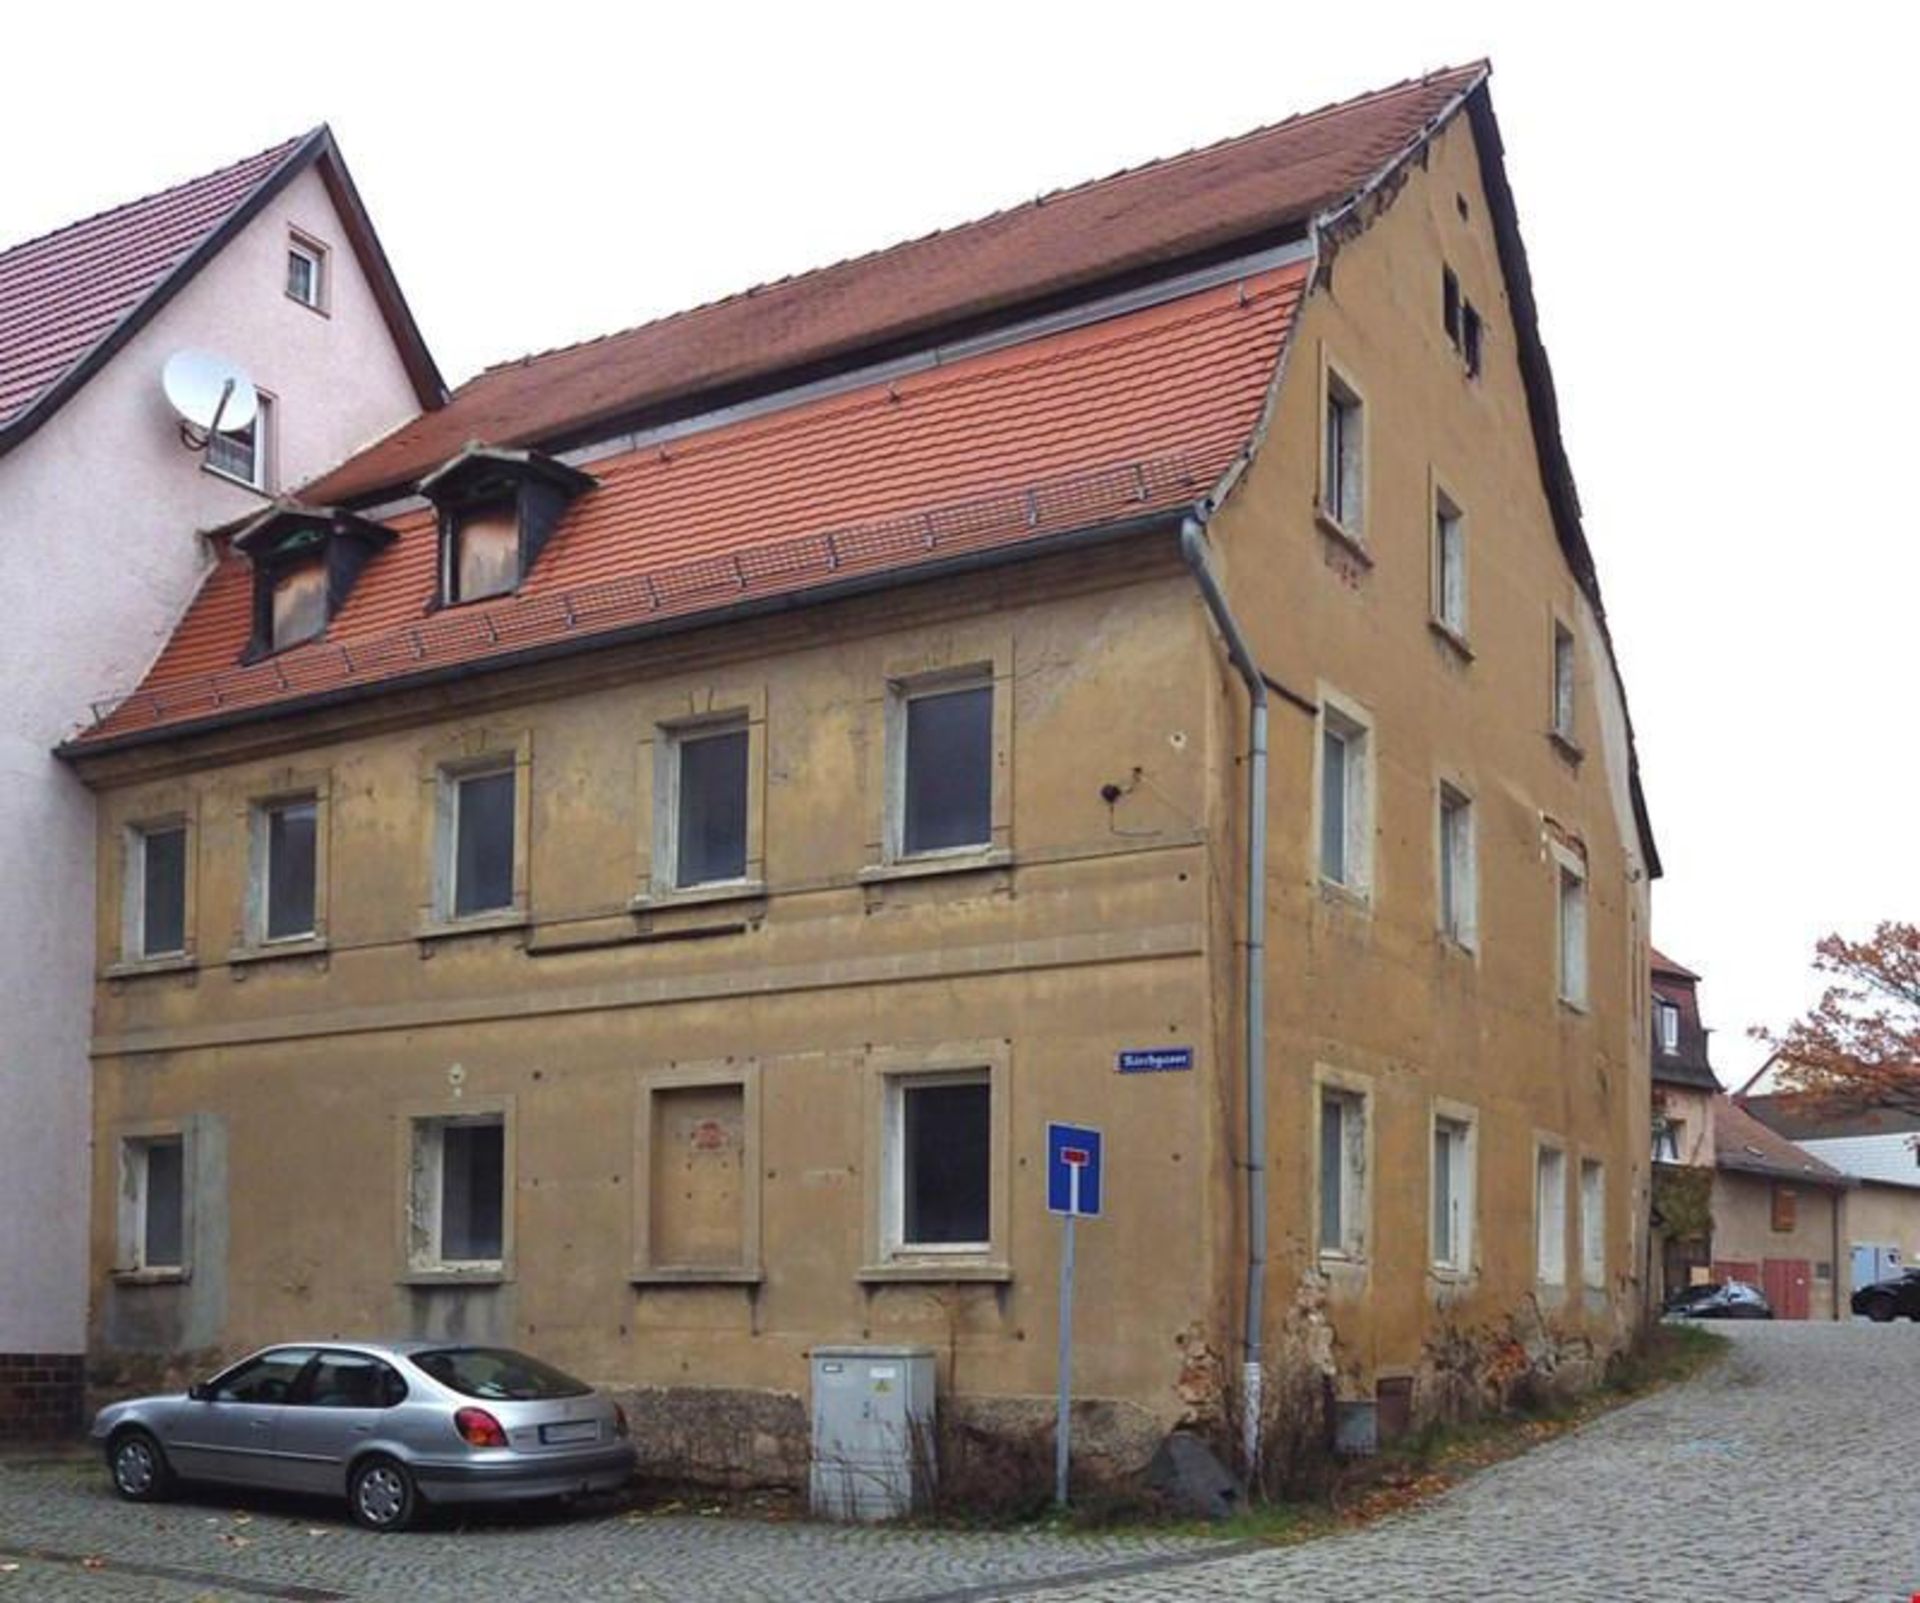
(1133, 659)
(270, 264)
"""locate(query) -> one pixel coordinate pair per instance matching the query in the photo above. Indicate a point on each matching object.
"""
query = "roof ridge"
(1120, 174)
(285, 145)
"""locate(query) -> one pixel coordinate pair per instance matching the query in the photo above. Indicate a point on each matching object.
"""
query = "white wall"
(99, 555)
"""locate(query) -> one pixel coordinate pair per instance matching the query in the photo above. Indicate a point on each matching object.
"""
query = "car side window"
(269, 1378)
(352, 1380)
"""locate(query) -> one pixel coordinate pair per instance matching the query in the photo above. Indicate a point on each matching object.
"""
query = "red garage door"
(1788, 1283)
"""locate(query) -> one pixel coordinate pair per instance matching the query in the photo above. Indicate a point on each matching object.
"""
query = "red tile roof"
(63, 293)
(1139, 413)
(1257, 186)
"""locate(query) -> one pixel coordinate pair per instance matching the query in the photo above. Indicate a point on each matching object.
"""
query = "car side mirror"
(201, 1391)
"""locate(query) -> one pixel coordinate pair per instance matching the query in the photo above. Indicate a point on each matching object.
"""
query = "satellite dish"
(210, 394)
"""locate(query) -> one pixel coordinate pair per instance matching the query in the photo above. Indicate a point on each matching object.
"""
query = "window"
(1550, 1215)
(1346, 827)
(483, 551)
(298, 604)
(1593, 1223)
(1457, 869)
(267, 1380)
(286, 858)
(1343, 466)
(1786, 1210)
(307, 272)
(1449, 567)
(1667, 1017)
(157, 891)
(940, 1161)
(707, 804)
(154, 1205)
(1450, 305)
(458, 1201)
(1563, 679)
(477, 840)
(943, 770)
(244, 454)
(1573, 932)
(1461, 321)
(353, 1380)
(1668, 1133)
(1452, 1194)
(1343, 1170)
(1471, 338)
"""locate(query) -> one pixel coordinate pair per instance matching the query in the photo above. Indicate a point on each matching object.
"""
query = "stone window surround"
(664, 716)
(1351, 532)
(250, 943)
(477, 749)
(1552, 1287)
(152, 807)
(746, 1074)
(1461, 1113)
(1359, 886)
(130, 1223)
(421, 1270)
(1350, 1266)
(1451, 785)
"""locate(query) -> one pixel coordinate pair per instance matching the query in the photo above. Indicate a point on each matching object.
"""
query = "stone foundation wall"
(41, 1396)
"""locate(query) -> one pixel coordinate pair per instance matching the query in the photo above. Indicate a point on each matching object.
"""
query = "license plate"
(583, 1430)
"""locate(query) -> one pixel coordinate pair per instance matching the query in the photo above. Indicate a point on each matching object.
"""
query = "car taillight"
(478, 1428)
(619, 1420)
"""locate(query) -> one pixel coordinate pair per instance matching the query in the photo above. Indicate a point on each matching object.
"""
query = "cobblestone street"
(1782, 1475)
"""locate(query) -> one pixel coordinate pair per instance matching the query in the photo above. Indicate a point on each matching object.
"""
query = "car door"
(228, 1435)
(338, 1407)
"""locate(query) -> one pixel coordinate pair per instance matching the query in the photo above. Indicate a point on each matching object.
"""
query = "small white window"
(940, 740)
(307, 272)
(1346, 823)
(1458, 895)
(477, 839)
(1343, 1173)
(457, 1198)
(156, 890)
(1343, 465)
(1593, 1223)
(1453, 1194)
(285, 865)
(1563, 682)
(704, 809)
(1573, 932)
(244, 454)
(939, 1162)
(1668, 1133)
(1449, 567)
(1667, 1016)
(153, 1218)
(1550, 1216)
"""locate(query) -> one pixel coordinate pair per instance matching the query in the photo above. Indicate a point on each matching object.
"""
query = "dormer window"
(497, 509)
(305, 561)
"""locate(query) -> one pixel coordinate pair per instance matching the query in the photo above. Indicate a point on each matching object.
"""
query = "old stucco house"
(273, 266)
(660, 836)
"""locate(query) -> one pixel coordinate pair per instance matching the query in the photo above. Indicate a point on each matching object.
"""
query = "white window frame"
(1550, 1213)
(1666, 1016)
(1571, 908)
(447, 836)
(133, 931)
(1456, 865)
(264, 432)
(310, 250)
(425, 1178)
(1565, 683)
(1593, 1224)
(1667, 1134)
(1355, 1102)
(1343, 453)
(131, 1259)
(901, 694)
(1451, 1252)
(1345, 721)
(671, 739)
(893, 1199)
(259, 875)
(1449, 565)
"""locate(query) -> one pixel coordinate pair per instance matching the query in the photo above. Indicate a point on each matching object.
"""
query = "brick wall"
(40, 1396)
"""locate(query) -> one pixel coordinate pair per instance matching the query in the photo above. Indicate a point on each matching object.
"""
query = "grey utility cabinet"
(873, 1412)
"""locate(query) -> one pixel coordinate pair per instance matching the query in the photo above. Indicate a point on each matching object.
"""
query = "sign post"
(1073, 1190)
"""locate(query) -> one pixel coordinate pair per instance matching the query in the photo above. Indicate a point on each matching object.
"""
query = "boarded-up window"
(1786, 1209)
(485, 559)
(299, 604)
(696, 1209)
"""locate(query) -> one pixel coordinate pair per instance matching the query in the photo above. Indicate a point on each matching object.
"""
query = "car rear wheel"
(139, 1467)
(382, 1495)
(1880, 1311)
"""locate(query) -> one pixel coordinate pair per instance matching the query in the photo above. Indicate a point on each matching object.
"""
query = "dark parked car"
(1732, 1299)
(1898, 1298)
(387, 1425)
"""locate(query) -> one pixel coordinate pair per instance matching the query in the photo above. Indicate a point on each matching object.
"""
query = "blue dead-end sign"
(1073, 1170)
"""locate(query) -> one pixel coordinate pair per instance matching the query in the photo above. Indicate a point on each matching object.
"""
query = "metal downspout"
(1193, 549)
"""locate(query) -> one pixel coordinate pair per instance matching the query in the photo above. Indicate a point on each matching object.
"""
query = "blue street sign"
(1155, 1060)
(1073, 1170)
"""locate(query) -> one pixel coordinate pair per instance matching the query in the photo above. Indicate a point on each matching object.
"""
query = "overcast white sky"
(1716, 200)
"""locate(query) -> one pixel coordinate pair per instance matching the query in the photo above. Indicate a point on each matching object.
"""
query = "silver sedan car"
(387, 1425)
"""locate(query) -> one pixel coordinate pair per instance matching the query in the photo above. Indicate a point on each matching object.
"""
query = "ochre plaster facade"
(1092, 926)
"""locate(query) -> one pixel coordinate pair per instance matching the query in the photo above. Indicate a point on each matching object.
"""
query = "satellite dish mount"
(209, 395)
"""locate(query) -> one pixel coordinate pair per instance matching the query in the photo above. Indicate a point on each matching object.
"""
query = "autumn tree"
(1859, 1045)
